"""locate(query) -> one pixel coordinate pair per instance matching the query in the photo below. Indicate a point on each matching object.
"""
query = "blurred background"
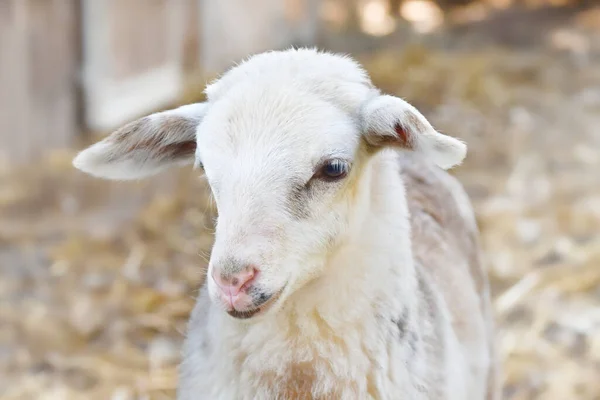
(97, 278)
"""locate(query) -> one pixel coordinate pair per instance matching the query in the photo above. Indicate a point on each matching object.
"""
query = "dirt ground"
(97, 279)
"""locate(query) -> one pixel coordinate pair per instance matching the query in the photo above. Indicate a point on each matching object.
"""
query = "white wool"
(358, 317)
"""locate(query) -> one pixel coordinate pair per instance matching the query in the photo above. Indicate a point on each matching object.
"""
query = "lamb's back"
(446, 248)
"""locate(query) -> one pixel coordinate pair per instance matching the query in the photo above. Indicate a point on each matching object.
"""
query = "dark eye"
(332, 170)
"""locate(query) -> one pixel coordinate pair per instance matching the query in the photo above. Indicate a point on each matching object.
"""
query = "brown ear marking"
(402, 136)
(179, 150)
(175, 126)
(401, 139)
(172, 150)
(412, 122)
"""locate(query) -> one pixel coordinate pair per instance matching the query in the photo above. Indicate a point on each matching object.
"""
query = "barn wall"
(132, 58)
(233, 29)
(73, 66)
(38, 72)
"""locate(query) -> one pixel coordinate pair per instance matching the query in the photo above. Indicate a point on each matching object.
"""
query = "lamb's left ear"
(391, 121)
(145, 147)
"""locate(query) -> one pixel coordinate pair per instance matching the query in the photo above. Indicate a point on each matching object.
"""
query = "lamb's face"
(279, 140)
(278, 163)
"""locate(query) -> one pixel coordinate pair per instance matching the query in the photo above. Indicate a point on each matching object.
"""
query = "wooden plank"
(139, 33)
(38, 56)
(133, 58)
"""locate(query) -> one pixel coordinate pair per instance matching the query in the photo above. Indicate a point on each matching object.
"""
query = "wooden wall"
(132, 58)
(38, 72)
(73, 66)
(233, 29)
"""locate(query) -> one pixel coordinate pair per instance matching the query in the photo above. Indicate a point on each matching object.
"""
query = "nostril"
(232, 284)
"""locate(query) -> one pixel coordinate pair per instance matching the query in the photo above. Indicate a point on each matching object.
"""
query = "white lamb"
(346, 264)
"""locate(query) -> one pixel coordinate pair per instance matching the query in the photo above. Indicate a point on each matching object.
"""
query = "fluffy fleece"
(382, 291)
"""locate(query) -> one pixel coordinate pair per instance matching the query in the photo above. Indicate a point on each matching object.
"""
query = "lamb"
(346, 262)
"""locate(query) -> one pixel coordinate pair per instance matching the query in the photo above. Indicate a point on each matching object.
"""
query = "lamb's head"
(284, 140)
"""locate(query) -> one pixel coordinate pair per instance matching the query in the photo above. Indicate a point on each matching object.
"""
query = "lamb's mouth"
(264, 305)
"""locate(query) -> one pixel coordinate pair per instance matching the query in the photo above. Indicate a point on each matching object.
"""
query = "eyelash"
(332, 170)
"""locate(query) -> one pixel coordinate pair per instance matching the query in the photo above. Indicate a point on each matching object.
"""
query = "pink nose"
(232, 284)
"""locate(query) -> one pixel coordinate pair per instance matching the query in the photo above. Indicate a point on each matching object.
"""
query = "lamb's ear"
(391, 121)
(145, 147)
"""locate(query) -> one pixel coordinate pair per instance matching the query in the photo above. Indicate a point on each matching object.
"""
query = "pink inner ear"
(403, 136)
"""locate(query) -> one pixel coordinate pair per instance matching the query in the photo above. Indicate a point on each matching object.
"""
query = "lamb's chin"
(244, 314)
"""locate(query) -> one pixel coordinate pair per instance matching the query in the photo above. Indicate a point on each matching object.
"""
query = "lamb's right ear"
(391, 121)
(145, 147)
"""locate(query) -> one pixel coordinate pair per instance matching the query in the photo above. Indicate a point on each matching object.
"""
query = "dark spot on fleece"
(204, 344)
(259, 297)
(402, 324)
(412, 342)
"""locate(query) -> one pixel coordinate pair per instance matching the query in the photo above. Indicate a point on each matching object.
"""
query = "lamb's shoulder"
(442, 219)
(446, 248)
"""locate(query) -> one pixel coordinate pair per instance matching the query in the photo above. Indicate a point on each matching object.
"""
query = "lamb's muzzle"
(239, 293)
(234, 288)
(346, 262)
